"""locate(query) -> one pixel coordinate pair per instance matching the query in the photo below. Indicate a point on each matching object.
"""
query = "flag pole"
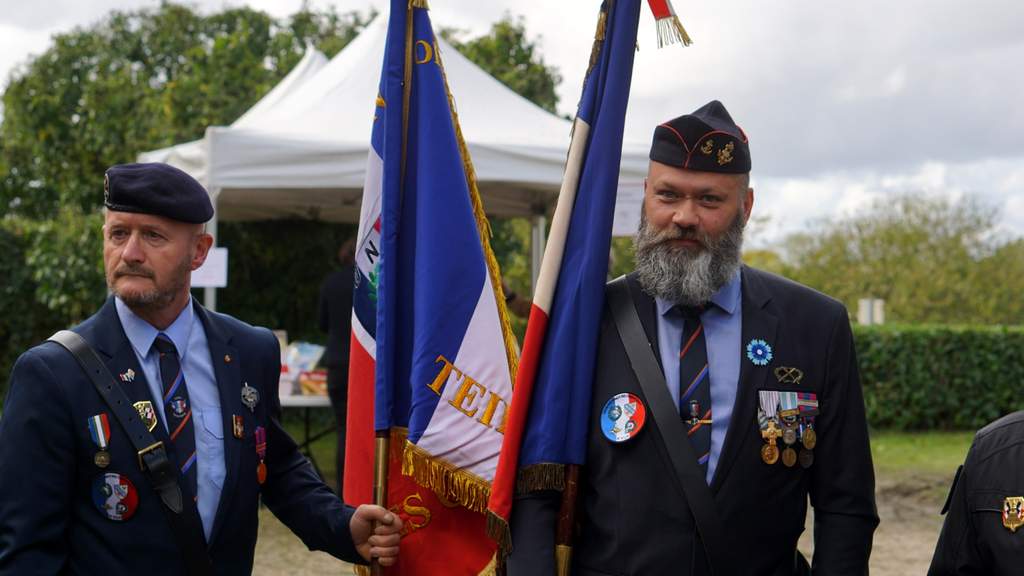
(566, 521)
(380, 483)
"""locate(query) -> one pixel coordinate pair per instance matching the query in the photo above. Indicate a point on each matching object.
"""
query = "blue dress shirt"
(189, 338)
(723, 332)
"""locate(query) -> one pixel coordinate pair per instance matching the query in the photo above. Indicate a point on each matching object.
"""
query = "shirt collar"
(141, 334)
(727, 297)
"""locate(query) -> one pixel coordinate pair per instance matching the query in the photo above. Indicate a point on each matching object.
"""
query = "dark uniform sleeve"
(37, 471)
(534, 516)
(293, 491)
(955, 552)
(842, 486)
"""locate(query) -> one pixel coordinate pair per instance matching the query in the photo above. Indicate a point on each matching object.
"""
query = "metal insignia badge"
(250, 397)
(789, 457)
(1013, 512)
(622, 417)
(101, 459)
(127, 376)
(115, 496)
(237, 426)
(146, 413)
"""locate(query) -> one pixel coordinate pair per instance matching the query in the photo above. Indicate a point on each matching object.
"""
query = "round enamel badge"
(115, 496)
(622, 417)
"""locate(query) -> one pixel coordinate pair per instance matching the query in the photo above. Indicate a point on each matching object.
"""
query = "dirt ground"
(908, 505)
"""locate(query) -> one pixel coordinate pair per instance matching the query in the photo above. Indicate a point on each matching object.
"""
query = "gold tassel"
(595, 51)
(545, 476)
(447, 481)
(361, 570)
(671, 31)
(491, 569)
(419, 4)
(498, 530)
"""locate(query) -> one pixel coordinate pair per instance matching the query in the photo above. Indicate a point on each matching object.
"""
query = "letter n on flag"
(547, 426)
(430, 330)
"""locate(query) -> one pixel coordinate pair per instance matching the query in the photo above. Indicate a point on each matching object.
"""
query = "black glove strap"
(669, 426)
(183, 517)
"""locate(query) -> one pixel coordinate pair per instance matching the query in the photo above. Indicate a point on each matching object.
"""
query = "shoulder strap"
(666, 415)
(162, 475)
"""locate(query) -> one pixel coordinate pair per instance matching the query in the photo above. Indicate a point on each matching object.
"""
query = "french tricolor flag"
(433, 357)
(547, 425)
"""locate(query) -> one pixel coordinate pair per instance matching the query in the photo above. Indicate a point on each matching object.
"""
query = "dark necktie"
(178, 410)
(695, 385)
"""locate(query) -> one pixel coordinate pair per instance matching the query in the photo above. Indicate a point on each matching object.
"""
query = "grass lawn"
(929, 453)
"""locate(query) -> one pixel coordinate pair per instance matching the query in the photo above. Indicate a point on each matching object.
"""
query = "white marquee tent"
(301, 151)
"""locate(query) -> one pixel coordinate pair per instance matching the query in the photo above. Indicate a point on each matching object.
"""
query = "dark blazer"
(48, 522)
(633, 515)
(975, 538)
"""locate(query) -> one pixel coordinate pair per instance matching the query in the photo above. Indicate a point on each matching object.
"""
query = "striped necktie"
(695, 385)
(178, 410)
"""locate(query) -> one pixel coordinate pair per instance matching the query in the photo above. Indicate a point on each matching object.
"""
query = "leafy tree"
(931, 259)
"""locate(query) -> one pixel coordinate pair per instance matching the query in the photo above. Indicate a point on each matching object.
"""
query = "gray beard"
(684, 276)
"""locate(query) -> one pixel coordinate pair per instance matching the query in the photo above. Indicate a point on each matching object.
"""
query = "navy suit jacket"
(633, 515)
(49, 523)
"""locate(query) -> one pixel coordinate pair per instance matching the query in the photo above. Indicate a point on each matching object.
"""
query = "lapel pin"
(759, 352)
(1013, 512)
(250, 397)
(227, 358)
(238, 426)
(128, 376)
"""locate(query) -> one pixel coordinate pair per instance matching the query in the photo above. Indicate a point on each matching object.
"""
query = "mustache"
(673, 232)
(130, 270)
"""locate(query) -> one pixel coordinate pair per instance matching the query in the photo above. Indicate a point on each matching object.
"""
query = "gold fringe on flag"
(419, 4)
(544, 476)
(671, 31)
(447, 481)
(498, 530)
(595, 51)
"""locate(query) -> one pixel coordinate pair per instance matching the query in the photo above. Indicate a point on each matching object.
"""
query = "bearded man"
(752, 406)
(156, 458)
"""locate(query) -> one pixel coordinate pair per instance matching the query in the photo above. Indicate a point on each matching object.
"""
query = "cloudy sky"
(845, 102)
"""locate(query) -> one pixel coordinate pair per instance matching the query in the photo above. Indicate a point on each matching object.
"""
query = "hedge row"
(940, 377)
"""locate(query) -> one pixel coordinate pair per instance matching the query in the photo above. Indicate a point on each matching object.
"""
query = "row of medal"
(114, 494)
(788, 416)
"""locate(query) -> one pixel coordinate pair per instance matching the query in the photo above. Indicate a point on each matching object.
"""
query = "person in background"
(335, 316)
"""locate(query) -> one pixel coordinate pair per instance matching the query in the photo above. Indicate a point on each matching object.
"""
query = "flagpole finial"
(670, 29)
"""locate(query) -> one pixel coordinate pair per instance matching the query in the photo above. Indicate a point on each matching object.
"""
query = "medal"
(789, 457)
(99, 430)
(770, 454)
(806, 458)
(237, 426)
(788, 405)
(250, 397)
(260, 436)
(101, 459)
(789, 435)
(768, 422)
(810, 438)
(1013, 512)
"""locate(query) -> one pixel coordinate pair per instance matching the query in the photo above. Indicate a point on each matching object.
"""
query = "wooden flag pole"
(380, 483)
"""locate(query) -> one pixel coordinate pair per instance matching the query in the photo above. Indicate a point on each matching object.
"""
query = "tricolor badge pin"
(99, 431)
(127, 376)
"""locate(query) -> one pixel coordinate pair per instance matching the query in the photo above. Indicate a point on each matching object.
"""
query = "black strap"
(666, 416)
(182, 517)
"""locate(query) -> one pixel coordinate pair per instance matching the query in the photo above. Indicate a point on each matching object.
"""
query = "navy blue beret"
(158, 189)
(707, 140)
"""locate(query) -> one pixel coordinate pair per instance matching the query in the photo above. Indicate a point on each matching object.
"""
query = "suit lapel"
(759, 322)
(647, 309)
(229, 386)
(114, 347)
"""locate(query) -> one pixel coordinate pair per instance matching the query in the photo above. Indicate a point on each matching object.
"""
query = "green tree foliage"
(508, 54)
(100, 95)
(931, 259)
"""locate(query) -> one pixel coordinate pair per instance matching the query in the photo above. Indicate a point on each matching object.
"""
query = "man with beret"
(80, 497)
(985, 507)
(759, 371)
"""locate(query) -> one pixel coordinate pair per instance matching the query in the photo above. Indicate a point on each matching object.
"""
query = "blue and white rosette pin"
(759, 352)
(622, 417)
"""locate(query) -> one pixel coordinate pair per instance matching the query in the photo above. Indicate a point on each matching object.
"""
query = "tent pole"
(210, 293)
(537, 240)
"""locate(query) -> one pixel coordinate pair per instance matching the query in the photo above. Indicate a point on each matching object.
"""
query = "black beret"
(158, 189)
(707, 140)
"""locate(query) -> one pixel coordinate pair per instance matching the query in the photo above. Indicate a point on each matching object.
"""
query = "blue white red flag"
(547, 425)
(428, 285)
